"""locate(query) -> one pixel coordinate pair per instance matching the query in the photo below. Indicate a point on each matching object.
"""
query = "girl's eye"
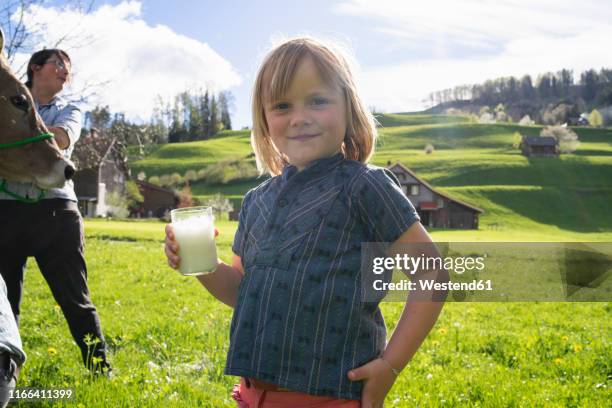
(319, 101)
(281, 106)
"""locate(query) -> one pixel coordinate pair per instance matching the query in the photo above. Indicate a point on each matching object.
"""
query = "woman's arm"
(61, 137)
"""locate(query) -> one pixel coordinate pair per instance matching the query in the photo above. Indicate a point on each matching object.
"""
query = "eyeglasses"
(59, 64)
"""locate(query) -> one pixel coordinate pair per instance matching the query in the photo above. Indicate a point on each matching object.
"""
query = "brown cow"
(39, 161)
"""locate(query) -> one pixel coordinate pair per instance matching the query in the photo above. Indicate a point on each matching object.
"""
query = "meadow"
(168, 337)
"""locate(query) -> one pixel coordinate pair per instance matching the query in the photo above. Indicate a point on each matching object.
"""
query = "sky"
(401, 50)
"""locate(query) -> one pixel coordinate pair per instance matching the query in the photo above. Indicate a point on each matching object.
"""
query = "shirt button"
(282, 203)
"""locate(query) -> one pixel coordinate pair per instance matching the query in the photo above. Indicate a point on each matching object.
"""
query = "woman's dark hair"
(42, 56)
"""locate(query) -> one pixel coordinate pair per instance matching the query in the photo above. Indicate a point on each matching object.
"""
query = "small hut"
(539, 146)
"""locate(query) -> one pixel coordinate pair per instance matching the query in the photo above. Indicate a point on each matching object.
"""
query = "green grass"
(180, 157)
(169, 337)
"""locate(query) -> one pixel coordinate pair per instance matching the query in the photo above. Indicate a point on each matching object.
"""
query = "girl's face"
(309, 122)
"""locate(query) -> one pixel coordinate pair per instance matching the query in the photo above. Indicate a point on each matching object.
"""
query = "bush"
(566, 138)
(185, 197)
(486, 118)
(176, 179)
(133, 195)
(595, 118)
(154, 180)
(526, 121)
(220, 204)
(118, 205)
(164, 180)
(190, 175)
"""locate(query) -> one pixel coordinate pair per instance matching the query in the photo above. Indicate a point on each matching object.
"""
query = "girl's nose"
(300, 118)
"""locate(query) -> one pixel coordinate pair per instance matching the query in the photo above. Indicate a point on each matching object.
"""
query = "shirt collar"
(56, 100)
(318, 166)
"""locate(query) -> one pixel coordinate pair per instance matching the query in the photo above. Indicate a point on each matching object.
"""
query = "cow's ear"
(1, 42)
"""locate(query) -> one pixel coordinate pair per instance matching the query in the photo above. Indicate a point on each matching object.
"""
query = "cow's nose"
(69, 172)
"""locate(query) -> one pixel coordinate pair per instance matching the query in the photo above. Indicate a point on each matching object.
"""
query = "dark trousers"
(52, 232)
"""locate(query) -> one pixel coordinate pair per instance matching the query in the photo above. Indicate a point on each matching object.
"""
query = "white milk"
(195, 235)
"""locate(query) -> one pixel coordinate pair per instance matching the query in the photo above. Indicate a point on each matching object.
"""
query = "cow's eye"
(20, 102)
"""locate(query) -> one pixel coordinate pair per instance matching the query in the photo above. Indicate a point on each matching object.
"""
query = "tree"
(219, 204)
(99, 117)
(595, 118)
(214, 116)
(589, 79)
(226, 120)
(205, 113)
(566, 138)
(544, 86)
(195, 121)
(526, 88)
(20, 37)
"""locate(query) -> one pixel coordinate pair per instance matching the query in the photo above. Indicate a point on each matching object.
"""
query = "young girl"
(301, 334)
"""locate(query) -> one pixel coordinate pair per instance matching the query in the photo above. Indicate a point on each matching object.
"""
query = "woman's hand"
(172, 248)
(378, 379)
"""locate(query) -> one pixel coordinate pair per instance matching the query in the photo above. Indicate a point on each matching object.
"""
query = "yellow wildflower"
(558, 361)
(52, 351)
(442, 330)
(577, 348)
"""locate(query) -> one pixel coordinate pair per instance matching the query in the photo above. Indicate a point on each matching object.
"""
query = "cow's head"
(41, 161)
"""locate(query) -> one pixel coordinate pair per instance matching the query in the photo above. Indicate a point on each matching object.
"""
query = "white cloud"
(496, 39)
(139, 61)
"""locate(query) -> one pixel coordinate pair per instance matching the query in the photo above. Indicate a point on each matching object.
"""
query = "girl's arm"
(418, 316)
(222, 283)
(417, 319)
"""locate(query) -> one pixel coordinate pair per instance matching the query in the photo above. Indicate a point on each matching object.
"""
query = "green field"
(169, 337)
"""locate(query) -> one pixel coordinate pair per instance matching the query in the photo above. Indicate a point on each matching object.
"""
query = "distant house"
(582, 120)
(435, 208)
(102, 170)
(157, 200)
(539, 146)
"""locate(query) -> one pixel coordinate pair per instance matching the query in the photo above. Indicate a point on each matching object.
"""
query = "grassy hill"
(473, 162)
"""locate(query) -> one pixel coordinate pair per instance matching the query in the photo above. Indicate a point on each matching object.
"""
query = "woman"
(47, 225)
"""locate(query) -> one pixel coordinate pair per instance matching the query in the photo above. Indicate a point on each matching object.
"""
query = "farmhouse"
(102, 171)
(157, 200)
(435, 208)
(539, 146)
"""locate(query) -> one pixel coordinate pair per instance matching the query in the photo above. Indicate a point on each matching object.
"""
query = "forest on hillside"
(554, 97)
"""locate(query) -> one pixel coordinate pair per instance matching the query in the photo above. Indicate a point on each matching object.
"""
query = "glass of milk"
(195, 234)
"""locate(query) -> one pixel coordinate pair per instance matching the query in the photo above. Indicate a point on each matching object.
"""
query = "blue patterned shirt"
(299, 320)
(61, 114)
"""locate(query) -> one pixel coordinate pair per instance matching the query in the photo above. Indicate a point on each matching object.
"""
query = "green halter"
(17, 143)
(29, 140)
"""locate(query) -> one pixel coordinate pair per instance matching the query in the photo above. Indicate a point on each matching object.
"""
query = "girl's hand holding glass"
(171, 247)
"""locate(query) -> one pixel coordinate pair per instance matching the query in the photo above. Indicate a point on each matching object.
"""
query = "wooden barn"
(157, 200)
(435, 208)
(539, 146)
(102, 170)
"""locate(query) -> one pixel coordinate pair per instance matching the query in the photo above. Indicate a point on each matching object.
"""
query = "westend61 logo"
(487, 271)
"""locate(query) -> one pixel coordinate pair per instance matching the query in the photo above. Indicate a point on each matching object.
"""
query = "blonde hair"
(273, 80)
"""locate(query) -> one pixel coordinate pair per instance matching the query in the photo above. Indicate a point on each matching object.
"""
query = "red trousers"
(247, 396)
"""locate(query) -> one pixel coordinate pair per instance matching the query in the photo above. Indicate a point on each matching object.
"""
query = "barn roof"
(540, 140)
(426, 184)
